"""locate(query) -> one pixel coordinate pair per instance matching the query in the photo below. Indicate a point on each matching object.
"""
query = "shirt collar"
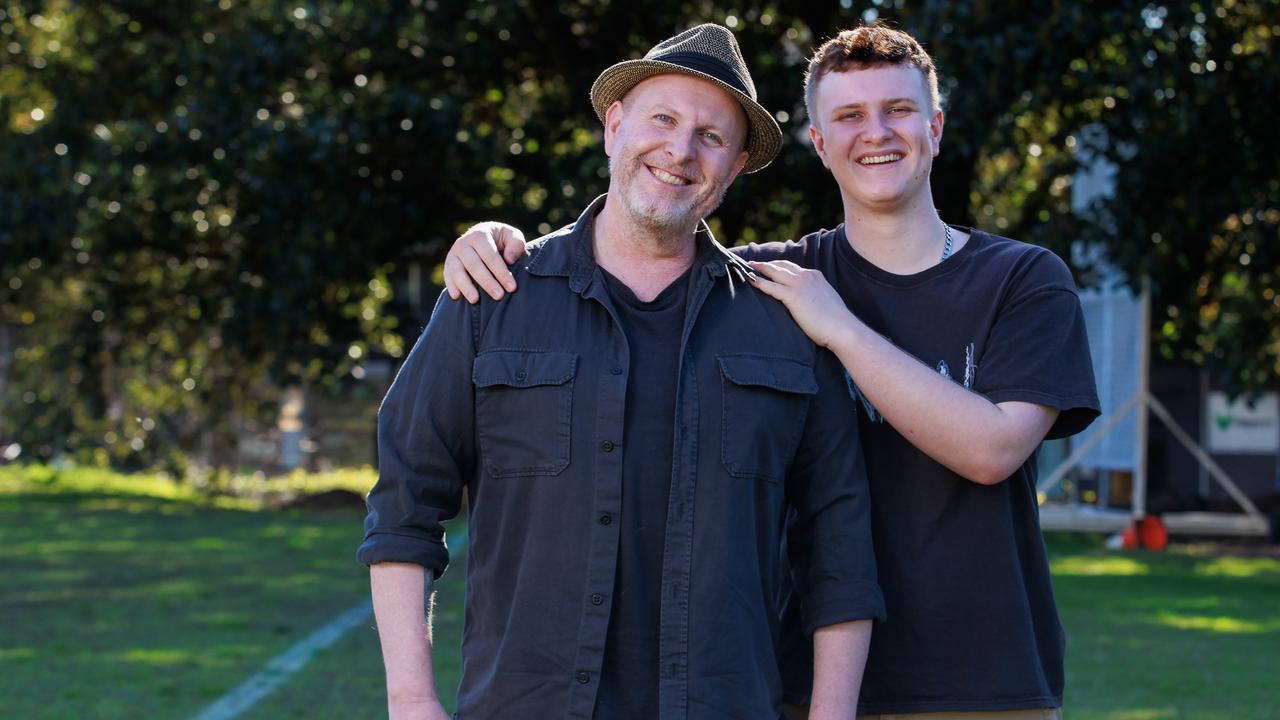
(574, 258)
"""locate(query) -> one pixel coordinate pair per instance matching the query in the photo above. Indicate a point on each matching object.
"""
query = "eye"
(713, 138)
(851, 115)
(663, 118)
(899, 110)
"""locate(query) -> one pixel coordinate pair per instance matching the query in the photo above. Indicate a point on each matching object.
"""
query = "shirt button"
(521, 376)
(616, 369)
(607, 446)
(584, 678)
(596, 598)
(606, 519)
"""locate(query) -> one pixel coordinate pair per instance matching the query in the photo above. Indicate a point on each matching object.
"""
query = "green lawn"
(1179, 634)
(123, 604)
(133, 600)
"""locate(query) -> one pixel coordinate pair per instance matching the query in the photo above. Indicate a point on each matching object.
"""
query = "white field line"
(288, 663)
(284, 666)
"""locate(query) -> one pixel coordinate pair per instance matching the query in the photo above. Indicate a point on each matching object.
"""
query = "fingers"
(512, 244)
(477, 266)
(478, 261)
(456, 281)
(766, 286)
(486, 240)
(777, 270)
(496, 267)
(765, 279)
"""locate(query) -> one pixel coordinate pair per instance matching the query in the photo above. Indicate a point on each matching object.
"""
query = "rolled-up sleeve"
(829, 540)
(426, 445)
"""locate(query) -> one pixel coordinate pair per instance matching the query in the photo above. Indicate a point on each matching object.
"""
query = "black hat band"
(708, 66)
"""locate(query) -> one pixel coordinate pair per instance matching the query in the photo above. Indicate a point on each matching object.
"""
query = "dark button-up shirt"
(521, 403)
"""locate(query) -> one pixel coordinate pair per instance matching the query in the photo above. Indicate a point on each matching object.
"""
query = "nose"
(682, 146)
(877, 130)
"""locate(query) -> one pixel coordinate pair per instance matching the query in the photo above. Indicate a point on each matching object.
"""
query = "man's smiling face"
(675, 143)
(877, 132)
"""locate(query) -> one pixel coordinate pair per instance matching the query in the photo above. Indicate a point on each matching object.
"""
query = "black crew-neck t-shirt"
(629, 675)
(972, 623)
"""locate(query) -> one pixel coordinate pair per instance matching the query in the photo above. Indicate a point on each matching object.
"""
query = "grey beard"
(666, 231)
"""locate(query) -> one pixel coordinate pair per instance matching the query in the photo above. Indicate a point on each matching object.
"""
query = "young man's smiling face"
(877, 132)
(675, 143)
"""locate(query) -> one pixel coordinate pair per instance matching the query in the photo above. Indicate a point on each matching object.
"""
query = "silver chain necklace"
(946, 248)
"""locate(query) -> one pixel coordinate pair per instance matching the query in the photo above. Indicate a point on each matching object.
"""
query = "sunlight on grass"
(27, 478)
(126, 605)
(1143, 714)
(215, 543)
(181, 588)
(222, 620)
(246, 492)
(156, 656)
(1220, 624)
(1091, 565)
(16, 653)
(1238, 567)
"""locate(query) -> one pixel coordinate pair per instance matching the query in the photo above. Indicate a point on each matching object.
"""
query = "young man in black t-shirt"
(963, 351)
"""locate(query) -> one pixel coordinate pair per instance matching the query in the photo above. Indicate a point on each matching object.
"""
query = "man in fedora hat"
(963, 351)
(636, 519)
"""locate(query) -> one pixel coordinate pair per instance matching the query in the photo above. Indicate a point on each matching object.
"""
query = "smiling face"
(675, 143)
(878, 133)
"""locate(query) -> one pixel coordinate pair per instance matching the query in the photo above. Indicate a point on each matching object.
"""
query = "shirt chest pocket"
(762, 413)
(524, 410)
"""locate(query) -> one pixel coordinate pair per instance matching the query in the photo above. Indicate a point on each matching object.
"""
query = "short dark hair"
(868, 46)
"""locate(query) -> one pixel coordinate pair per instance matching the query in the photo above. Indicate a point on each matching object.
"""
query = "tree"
(202, 202)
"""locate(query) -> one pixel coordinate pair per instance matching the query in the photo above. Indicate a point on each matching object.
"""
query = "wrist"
(418, 710)
(846, 334)
(412, 694)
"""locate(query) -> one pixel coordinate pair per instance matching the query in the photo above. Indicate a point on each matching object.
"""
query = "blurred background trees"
(206, 201)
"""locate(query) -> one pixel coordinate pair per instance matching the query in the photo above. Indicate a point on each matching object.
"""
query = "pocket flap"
(781, 374)
(523, 368)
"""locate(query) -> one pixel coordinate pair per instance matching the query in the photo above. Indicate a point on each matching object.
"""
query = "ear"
(935, 131)
(738, 164)
(820, 145)
(612, 120)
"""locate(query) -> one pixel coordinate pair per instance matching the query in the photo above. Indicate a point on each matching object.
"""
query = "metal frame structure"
(1084, 518)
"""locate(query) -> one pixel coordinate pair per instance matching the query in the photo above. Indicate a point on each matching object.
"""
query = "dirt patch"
(327, 501)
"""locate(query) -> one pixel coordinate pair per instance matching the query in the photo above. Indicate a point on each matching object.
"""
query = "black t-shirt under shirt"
(972, 623)
(629, 675)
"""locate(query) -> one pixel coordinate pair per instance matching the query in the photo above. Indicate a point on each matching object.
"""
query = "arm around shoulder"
(479, 257)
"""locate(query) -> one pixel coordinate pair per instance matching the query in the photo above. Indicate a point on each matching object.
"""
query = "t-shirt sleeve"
(1038, 350)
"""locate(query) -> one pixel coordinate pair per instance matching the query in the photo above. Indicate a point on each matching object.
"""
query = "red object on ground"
(1152, 533)
(1129, 538)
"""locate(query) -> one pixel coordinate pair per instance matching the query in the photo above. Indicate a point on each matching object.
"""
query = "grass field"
(130, 598)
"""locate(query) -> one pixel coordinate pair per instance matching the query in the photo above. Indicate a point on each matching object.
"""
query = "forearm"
(960, 429)
(839, 657)
(401, 605)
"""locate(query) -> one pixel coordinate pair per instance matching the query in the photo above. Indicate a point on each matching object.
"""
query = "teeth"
(668, 178)
(878, 159)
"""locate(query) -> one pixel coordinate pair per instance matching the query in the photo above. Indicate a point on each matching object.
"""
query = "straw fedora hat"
(709, 52)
